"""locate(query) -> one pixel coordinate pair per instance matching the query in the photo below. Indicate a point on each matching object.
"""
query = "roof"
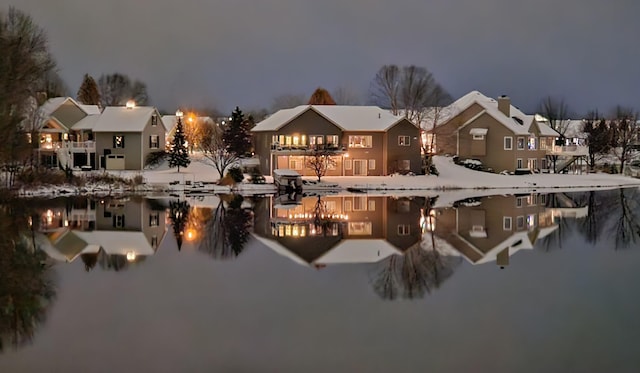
(86, 123)
(123, 119)
(347, 118)
(90, 109)
(519, 123)
(54, 103)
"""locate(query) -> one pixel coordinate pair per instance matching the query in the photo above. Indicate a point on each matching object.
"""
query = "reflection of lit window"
(360, 228)
(154, 219)
(428, 223)
(531, 221)
(154, 242)
(359, 204)
(131, 256)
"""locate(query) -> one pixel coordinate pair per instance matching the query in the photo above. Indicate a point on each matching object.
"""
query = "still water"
(343, 283)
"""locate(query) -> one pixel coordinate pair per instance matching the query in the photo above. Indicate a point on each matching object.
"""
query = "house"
(494, 132)
(126, 135)
(62, 138)
(128, 229)
(361, 140)
(319, 231)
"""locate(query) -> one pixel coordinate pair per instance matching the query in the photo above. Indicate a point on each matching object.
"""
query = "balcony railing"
(74, 146)
(291, 148)
(569, 150)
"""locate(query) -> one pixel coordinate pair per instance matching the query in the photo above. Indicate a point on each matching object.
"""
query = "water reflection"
(110, 233)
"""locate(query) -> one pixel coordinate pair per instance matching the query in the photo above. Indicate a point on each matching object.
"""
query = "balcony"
(301, 149)
(569, 150)
(72, 146)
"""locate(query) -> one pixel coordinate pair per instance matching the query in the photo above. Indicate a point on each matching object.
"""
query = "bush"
(34, 176)
(155, 158)
(236, 174)
(256, 176)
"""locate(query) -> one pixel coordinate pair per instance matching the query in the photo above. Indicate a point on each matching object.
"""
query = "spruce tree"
(236, 136)
(178, 154)
(88, 93)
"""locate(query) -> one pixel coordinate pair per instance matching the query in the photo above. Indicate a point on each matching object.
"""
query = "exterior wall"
(402, 223)
(137, 215)
(148, 131)
(262, 147)
(375, 153)
(68, 114)
(446, 137)
(395, 152)
(132, 148)
(492, 146)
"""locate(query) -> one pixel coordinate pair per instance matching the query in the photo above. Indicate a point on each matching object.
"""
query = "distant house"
(362, 140)
(125, 136)
(494, 132)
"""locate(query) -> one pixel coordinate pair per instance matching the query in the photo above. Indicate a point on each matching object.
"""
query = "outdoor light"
(131, 256)
(179, 113)
(130, 104)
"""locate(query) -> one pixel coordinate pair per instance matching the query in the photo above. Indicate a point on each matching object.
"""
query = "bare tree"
(287, 100)
(216, 151)
(598, 137)
(556, 111)
(116, 89)
(346, 95)
(624, 134)
(320, 161)
(409, 91)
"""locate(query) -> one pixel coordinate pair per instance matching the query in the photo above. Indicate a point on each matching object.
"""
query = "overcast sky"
(239, 52)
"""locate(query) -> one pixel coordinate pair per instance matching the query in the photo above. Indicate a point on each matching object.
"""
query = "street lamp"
(179, 113)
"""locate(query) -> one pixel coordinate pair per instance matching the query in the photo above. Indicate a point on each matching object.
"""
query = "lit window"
(533, 143)
(154, 219)
(520, 143)
(372, 164)
(404, 140)
(118, 141)
(360, 141)
(154, 120)
(154, 141)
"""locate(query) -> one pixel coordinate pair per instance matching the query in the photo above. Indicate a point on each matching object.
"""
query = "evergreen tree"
(179, 215)
(179, 155)
(88, 92)
(236, 136)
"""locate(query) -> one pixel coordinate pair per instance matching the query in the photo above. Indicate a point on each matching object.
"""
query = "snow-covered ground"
(451, 177)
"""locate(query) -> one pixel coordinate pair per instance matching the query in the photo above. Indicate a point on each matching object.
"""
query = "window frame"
(404, 140)
(510, 140)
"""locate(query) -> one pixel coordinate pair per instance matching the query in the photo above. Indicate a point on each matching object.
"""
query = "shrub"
(34, 176)
(256, 176)
(155, 158)
(236, 174)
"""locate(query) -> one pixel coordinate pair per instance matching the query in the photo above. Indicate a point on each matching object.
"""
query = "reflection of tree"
(179, 215)
(626, 227)
(416, 273)
(26, 286)
(594, 222)
(321, 218)
(227, 230)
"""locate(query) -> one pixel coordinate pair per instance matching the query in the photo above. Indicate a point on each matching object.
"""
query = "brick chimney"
(504, 105)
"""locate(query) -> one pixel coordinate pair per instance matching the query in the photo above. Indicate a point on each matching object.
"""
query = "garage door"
(115, 162)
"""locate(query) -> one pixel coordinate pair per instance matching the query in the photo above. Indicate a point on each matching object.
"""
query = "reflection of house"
(76, 135)
(495, 132)
(494, 228)
(339, 229)
(114, 227)
(362, 140)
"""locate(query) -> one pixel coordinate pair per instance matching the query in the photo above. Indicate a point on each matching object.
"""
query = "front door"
(359, 167)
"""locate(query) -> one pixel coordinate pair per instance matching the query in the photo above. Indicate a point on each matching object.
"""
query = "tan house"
(494, 132)
(320, 231)
(362, 140)
(63, 138)
(125, 136)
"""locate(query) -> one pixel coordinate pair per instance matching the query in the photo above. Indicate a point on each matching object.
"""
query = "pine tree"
(88, 93)
(236, 136)
(179, 155)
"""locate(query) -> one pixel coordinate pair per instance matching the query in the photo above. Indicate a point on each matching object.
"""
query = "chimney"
(504, 105)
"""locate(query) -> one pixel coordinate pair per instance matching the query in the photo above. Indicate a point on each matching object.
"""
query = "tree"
(321, 97)
(179, 215)
(116, 89)
(25, 68)
(409, 91)
(555, 110)
(178, 154)
(624, 134)
(345, 95)
(287, 100)
(320, 161)
(236, 135)
(598, 137)
(216, 151)
(88, 92)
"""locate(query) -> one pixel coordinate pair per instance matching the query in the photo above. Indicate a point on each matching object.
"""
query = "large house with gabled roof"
(362, 140)
(494, 132)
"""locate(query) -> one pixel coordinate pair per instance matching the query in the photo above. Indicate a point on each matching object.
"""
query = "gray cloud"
(241, 52)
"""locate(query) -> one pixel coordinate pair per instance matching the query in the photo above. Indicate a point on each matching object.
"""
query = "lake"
(535, 282)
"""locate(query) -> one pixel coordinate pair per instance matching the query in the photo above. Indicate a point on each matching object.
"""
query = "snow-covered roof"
(86, 123)
(519, 123)
(358, 251)
(169, 121)
(54, 103)
(123, 119)
(347, 118)
(90, 109)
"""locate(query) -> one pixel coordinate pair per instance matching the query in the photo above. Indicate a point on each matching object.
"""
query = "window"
(154, 241)
(533, 143)
(403, 229)
(154, 120)
(506, 223)
(404, 140)
(519, 202)
(508, 143)
(347, 205)
(316, 141)
(118, 141)
(154, 219)
(478, 133)
(543, 199)
(519, 163)
(118, 221)
(359, 203)
(478, 137)
(372, 164)
(332, 141)
(543, 163)
(359, 228)
(520, 143)
(520, 222)
(372, 205)
(360, 141)
(154, 141)
(296, 163)
(531, 221)
(347, 164)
